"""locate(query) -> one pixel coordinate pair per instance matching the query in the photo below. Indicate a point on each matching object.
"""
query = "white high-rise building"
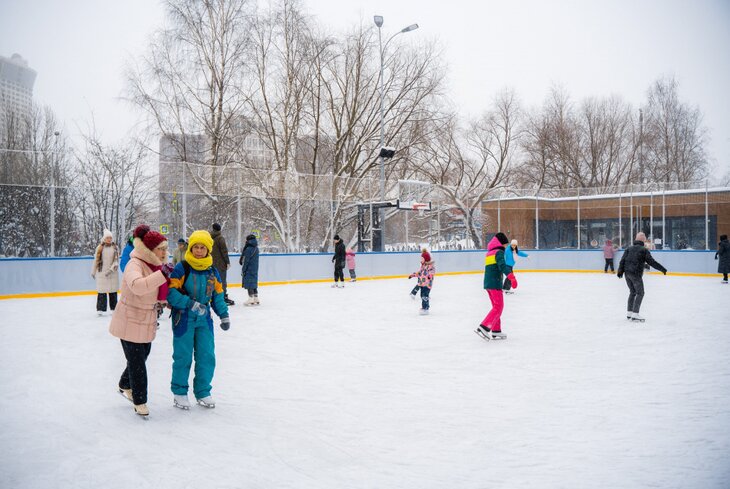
(16, 88)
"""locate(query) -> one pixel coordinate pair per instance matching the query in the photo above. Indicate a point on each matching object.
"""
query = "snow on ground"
(351, 388)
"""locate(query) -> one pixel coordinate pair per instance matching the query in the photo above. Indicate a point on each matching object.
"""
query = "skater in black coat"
(723, 254)
(632, 264)
(339, 260)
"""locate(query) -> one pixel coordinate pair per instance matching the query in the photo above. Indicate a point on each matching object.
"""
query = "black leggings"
(252, 292)
(101, 301)
(339, 274)
(135, 373)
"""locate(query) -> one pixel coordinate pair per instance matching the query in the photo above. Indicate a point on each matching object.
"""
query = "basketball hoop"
(420, 207)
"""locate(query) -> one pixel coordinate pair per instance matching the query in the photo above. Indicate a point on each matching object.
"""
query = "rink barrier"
(59, 277)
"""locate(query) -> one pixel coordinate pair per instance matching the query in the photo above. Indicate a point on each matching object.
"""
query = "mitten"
(167, 270)
(198, 308)
(512, 280)
(225, 323)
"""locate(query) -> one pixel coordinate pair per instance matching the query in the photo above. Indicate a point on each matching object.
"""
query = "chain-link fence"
(45, 215)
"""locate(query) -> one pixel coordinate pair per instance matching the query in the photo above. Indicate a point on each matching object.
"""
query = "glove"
(167, 270)
(512, 280)
(198, 308)
(225, 323)
(620, 274)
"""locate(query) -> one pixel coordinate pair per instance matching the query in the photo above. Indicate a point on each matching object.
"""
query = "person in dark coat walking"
(221, 261)
(723, 254)
(632, 264)
(249, 262)
(339, 260)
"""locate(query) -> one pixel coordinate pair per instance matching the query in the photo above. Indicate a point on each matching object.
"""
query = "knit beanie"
(216, 226)
(151, 239)
(502, 238)
(425, 255)
(513, 242)
(201, 237)
(337, 237)
(640, 237)
(107, 234)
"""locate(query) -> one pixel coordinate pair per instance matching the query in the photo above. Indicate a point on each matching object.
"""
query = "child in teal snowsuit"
(195, 289)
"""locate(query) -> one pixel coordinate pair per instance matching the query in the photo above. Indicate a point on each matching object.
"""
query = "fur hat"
(201, 237)
(640, 237)
(216, 226)
(425, 255)
(107, 234)
(502, 238)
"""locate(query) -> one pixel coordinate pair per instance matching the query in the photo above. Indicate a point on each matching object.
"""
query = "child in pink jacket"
(350, 258)
(425, 276)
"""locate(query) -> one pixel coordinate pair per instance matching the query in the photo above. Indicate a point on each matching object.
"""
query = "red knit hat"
(151, 239)
(426, 255)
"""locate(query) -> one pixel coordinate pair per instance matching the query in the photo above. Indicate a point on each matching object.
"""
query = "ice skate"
(484, 332)
(229, 301)
(100, 313)
(629, 314)
(207, 402)
(724, 282)
(126, 393)
(141, 409)
(334, 285)
(256, 301)
(413, 297)
(423, 312)
(181, 402)
(354, 280)
(498, 335)
(636, 317)
(250, 302)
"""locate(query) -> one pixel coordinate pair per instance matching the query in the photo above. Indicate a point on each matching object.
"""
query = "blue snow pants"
(197, 343)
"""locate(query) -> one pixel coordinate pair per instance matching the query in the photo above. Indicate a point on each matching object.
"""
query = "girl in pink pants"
(494, 268)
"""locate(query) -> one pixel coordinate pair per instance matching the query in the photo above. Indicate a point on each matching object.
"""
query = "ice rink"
(351, 388)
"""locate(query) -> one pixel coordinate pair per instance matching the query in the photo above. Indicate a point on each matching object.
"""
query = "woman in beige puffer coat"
(106, 264)
(144, 292)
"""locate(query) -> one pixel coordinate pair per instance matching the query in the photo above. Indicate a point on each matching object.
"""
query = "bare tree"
(674, 138)
(190, 85)
(36, 172)
(466, 165)
(113, 191)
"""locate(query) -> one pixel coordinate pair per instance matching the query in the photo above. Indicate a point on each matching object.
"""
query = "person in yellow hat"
(195, 289)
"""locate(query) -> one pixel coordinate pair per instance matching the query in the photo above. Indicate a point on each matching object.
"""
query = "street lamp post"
(379, 23)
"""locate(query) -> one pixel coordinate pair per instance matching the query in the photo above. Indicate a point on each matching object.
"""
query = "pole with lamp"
(379, 239)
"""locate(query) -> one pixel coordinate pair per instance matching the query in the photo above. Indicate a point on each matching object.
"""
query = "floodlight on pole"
(379, 23)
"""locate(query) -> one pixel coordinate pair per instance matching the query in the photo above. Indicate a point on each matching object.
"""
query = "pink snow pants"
(493, 320)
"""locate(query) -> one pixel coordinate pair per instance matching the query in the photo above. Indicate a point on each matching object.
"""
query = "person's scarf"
(199, 264)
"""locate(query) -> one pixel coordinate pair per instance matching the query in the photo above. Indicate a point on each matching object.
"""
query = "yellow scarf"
(199, 264)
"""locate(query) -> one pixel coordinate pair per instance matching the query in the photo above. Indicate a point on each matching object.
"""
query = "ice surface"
(351, 388)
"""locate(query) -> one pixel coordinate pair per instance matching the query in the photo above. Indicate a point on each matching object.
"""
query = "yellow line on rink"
(327, 280)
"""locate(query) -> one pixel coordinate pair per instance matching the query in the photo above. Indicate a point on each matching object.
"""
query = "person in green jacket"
(494, 268)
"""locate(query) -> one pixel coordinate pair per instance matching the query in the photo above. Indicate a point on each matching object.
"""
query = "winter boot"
(181, 402)
(141, 409)
(126, 393)
(207, 402)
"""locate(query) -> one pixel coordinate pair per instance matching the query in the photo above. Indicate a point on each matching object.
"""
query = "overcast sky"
(592, 48)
